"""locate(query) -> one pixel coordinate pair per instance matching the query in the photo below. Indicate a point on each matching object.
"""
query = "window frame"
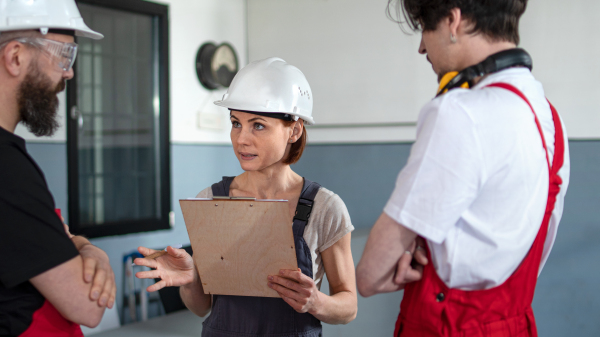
(130, 226)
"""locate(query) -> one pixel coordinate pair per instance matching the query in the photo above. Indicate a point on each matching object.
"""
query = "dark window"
(118, 130)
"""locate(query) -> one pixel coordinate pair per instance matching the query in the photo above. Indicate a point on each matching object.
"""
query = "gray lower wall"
(567, 302)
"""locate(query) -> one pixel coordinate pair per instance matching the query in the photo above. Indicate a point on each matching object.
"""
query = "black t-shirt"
(32, 237)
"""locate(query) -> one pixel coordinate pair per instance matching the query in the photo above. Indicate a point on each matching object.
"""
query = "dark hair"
(497, 19)
(297, 147)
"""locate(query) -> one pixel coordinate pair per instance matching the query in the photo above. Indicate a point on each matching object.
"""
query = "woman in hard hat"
(269, 102)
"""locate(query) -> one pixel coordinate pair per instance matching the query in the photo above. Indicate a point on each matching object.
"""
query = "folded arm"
(96, 270)
(65, 288)
(386, 262)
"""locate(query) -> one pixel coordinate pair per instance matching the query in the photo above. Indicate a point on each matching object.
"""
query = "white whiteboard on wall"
(369, 82)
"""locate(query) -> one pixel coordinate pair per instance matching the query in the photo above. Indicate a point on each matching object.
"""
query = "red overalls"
(431, 309)
(48, 322)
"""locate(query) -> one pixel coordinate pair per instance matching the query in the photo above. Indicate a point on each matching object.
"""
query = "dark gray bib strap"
(303, 210)
(221, 189)
(304, 207)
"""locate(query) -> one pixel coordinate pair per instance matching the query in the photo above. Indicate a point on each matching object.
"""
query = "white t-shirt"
(476, 182)
(329, 221)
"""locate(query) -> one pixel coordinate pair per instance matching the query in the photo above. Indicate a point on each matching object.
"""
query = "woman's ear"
(297, 130)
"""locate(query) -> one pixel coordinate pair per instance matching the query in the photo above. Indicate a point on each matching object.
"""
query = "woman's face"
(259, 142)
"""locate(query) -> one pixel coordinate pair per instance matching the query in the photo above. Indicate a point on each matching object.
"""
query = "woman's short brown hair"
(297, 147)
(496, 19)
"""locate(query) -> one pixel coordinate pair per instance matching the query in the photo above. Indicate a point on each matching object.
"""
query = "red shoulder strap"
(559, 142)
(537, 121)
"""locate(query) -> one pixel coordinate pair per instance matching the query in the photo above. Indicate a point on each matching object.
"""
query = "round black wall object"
(216, 65)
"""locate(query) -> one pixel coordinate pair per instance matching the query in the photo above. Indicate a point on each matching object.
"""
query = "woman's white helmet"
(43, 15)
(270, 86)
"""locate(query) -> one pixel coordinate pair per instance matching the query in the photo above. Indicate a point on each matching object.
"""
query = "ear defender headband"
(494, 63)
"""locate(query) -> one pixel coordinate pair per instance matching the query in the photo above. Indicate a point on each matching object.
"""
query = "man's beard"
(38, 103)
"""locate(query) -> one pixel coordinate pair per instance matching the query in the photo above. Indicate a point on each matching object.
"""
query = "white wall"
(192, 23)
(363, 69)
(562, 37)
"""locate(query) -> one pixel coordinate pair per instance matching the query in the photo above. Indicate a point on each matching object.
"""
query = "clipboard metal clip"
(235, 198)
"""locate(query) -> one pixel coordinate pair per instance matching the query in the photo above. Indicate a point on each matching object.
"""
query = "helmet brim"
(241, 107)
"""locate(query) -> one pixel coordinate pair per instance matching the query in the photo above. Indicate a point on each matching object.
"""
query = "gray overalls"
(234, 316)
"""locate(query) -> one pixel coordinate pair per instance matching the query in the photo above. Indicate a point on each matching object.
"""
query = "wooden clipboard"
(237, 243)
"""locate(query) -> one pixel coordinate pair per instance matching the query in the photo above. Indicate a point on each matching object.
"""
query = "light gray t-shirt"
(329, 221)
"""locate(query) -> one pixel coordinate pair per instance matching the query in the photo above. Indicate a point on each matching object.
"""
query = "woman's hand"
(176, 268)
(296, 289)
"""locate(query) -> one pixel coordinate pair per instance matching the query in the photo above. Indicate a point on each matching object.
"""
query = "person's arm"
(176, 269)
(66, 290)
(385, 264)
(194, 298)
(96, 268)
(301, 293)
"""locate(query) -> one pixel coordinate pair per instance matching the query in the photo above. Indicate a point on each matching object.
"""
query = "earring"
(452, 38)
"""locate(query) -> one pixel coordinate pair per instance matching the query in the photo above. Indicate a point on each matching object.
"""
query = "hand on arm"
(64, 287)
(301, 293)
(386, 262)
(176, 269)
(96, 268)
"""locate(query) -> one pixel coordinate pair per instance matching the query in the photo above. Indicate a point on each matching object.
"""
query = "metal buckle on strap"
(303, 212)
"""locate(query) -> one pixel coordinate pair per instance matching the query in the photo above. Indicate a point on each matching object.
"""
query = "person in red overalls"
(50, 280)
(474, 212)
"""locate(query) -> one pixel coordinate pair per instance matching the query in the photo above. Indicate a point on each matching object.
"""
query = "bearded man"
(50, 280)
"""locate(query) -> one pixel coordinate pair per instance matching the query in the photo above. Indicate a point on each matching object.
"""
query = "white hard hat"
(43, 15)
(270, 86)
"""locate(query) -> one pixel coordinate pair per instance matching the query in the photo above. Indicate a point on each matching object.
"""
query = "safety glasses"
(62, 53)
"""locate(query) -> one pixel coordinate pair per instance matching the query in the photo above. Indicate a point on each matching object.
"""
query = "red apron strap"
(559, 141)
(48, 322)
(537, 121)
(559, 145)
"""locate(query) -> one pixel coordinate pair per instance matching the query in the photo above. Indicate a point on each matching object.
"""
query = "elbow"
(348, 317)
(90, 318)
(351, 317)
(365, 290)
(364, 286)
(202, 313)
(198, 310)
(91, 322)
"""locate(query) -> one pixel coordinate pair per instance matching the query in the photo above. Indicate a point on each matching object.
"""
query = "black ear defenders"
(494, 63)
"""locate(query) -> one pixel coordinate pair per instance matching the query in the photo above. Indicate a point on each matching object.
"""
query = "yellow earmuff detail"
(447, 78)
